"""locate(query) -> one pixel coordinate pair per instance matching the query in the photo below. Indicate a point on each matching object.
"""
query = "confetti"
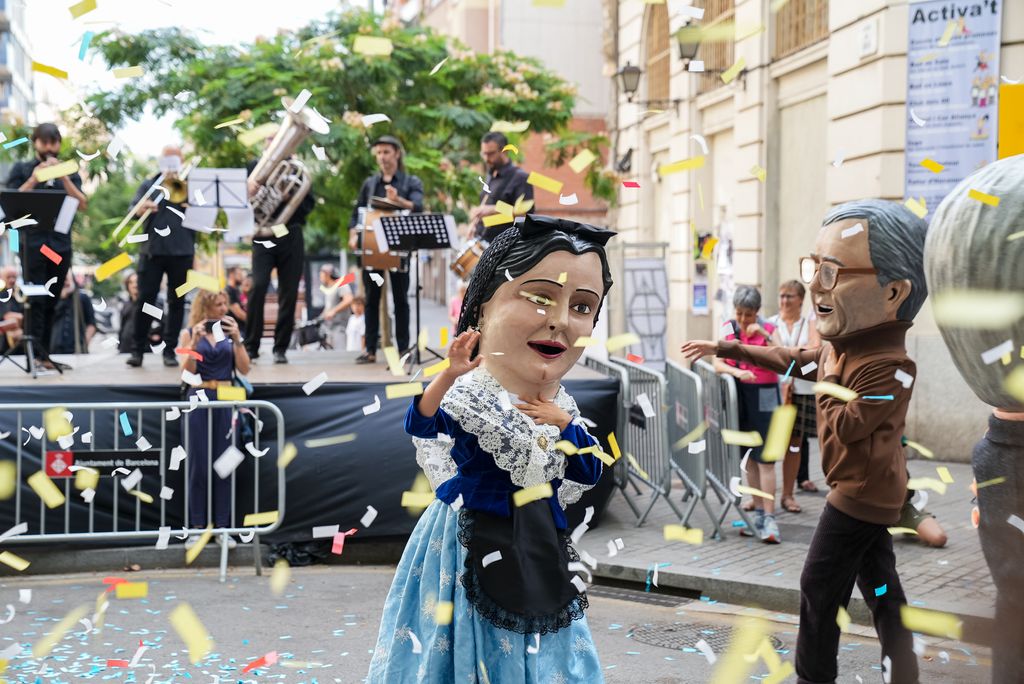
(372, 46)
(684, 165)
(932, 165)
(230, 393)
(706, 650)
(916, 119)
(689, 535)
(371, 119)
(52, 71)
(443, 612)
(851, 231)
(582, 160)
(880, 591)
(944, 474)
(228, 461)
(436, 368)
(732, 72)
(630, 184)
(617, 342)
(834, 390)
(112, 266)
(132, 590)
(739, 438)
(44, 487)
(314, 384)
(417, 499)
(916, 207)
(368, 517)
(287, 456)
(843, 619)
(931, 622)
(56, 171)
(42, 648)
(492, 557)
(83, 7)
(403, 389)
(937, 486)
(204, 539)
(258, 519)
(779, 432)
(510, 127)
(437, 67)
(568, 200)
(539, 180)
(186, 623)
(983, 197)
(921, 449)
(1016, 521)
(257, 134)
(13, 560)
(742, 489)
(330, 441)
(992, 355)
(535, 493)
(947, 35)
(15, 143)
(758, 172)
(129, 72)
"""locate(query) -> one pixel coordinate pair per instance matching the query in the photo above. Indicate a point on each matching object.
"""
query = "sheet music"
(66, 215)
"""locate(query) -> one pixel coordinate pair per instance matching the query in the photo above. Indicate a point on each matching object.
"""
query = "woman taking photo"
(215, 363)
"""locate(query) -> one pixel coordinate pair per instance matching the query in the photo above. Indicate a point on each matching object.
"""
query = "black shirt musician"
(506, 182)
(40, 268)
(286, 253)
(393, 183)
(169, 249)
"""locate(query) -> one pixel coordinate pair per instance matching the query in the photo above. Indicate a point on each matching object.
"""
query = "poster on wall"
(952, 87)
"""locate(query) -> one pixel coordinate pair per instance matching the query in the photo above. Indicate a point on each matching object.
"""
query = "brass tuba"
(284, 182)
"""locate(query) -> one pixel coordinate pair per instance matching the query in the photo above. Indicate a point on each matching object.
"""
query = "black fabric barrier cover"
(325, 486)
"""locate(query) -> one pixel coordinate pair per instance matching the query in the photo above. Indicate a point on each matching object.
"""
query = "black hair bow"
(533, 225)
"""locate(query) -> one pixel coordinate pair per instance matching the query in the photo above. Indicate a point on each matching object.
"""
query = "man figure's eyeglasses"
(827, 272)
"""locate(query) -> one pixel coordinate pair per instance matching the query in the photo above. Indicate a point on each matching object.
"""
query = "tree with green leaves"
(440, 98)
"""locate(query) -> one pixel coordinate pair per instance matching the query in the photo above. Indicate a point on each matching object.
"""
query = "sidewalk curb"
(978, 627)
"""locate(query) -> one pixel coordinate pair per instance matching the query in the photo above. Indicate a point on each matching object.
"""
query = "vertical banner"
(952, 84)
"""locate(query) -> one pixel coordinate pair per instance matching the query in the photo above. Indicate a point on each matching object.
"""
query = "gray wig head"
(896, 243)
(747, 297)
(969, 249)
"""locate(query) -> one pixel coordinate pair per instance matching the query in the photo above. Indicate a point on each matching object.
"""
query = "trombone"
(177, 193)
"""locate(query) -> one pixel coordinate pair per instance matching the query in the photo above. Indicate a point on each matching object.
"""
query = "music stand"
(45, 207)
(411, 233)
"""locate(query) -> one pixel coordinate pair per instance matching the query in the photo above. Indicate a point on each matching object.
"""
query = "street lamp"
(629, 79)
(689, 43)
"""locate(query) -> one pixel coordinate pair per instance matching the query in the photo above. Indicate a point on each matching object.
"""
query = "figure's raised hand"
(695, 349)
(545, 413)
(460, 352)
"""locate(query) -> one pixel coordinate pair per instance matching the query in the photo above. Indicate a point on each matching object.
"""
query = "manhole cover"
(679, 635)
(648, 598)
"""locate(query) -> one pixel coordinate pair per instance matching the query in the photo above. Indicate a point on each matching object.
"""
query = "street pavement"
(324, 626)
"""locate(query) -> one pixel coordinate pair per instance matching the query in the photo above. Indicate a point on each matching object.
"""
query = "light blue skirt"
(470, 649)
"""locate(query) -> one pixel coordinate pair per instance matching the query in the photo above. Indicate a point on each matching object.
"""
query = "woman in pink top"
(757, 394)
(455, 304)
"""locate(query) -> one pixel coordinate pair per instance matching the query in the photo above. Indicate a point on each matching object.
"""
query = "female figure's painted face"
(530, 324)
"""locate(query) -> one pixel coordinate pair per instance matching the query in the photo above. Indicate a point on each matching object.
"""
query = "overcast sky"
(55, 40)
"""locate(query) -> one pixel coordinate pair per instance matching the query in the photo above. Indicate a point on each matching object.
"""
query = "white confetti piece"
(904, 378)
(190, 378)
(921, 500)
(321, 531)
(492, 557)
(695, 66)
(265, 244)
(838, 161)
(619, 544)
(1009, 80)
(256, 453)
(173, 414)
(645, 405)
(851, 231)
(137, 238)
(508, 276)
(577, 582)
(49, 284)
(377, 278)
(809, 368)
(944, 657)
(11, 612)
(25, 595)
(368, 517)
(734, 483)
(706, 649)
(200, 200)
(916, 119)
(698, 447)
(416, 646)
(370, 119)
(20, 528)
(374, 407)
(115, 146)
(487, 188)
(300, 101)
(702, 142)
(568, 200)
(437, 67)
(166, 493)
(10, 652)
(110, 343)
(533, 650)
(132, 480)
(138, 656)
(314, 384)
(162, 232)
(588, 559)
(1016, 522)
(582, 528)
(100, 306)
(87, 157)
(319, 153)
(612, 551)
(157, 348)
(143, 444)
(218, 332)
(458, 503)
(247, 537)
(580, 567)
(88, 494)
(504, 401)
(228, 461)
(992, 355)
(887, 669)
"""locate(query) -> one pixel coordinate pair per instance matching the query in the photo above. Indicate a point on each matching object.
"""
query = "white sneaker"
(192, 541)
(231, 542)
(770, 533)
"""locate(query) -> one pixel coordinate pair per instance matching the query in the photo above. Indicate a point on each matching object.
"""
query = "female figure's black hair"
(523, 246)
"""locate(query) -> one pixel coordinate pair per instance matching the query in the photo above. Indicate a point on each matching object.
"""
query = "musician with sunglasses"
(867, 281)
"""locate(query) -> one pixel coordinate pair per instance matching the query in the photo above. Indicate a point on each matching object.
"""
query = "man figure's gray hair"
(896, 243)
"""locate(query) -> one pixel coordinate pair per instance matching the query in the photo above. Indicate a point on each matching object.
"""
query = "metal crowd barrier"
(721, 410)
(685, 414)
(644, 437)
(114, 431)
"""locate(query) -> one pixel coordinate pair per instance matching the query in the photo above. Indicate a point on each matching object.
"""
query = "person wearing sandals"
(757, 393)
(793, 329)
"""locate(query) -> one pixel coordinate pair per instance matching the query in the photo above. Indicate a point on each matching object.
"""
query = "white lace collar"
(481, 407)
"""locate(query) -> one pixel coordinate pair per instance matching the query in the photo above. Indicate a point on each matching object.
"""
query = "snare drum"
(467, 259)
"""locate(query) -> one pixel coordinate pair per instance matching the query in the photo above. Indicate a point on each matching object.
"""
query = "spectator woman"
(793, 329)
(757, 394)
(125, 335)
(209, 429)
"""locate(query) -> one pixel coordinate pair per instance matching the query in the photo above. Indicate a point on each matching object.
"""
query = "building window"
(716, 54)
(658, 53)
(798, 24)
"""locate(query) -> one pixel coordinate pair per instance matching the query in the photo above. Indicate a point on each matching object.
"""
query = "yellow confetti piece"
(258, 519)
(417, 499)
(129, 72)
(613, 444)
(989, 483)
(230, 393)
(372, 46)
(780, 431)
(279, 230)
(522, 206)
(932, 165)
(132, 590)
(510, 148)
(42, 648)
(743, 439)
(834, 390)
(709, 248)
(510, 126)
(636, 466)
(947, 35)
(539, 180)
(901, 530)
(8, 479)
(945, 475)
(584, 342)
(258, 134)
(735, 664)
(444, 336)
(87, 478)
(330, 441)
(47, 69)
(780, 674)
(229, 122)
(196, 279)
(288, 455)
(758, 172)
(600, 455)
(983, 197)
(534, 493)
(582, 160)
(743, 489)
(931, 622)
(732, 72)
(617, 342)
(43, 486)
(497, 219)
(918, 209)
(563, 277)
(141, 496)
(931, 483)
(403, 389)
(843, 619)
(921, 449)
(204, 539)
(394, 361)
(431, 371)
(14, 560)
(684, 165)
(689, 535)
(1015, 236)
(443, 612)
(978, 309)
(280, 576)
(423, 339)
(503, 207)
(83, 7)
(690, 436)
(56, 423)
(567, 447)
(186, 623)
(57, 170)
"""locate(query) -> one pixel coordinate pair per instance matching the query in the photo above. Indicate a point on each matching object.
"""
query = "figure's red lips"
(549, 349)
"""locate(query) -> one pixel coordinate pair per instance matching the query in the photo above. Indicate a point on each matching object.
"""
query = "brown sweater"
(861, 451)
